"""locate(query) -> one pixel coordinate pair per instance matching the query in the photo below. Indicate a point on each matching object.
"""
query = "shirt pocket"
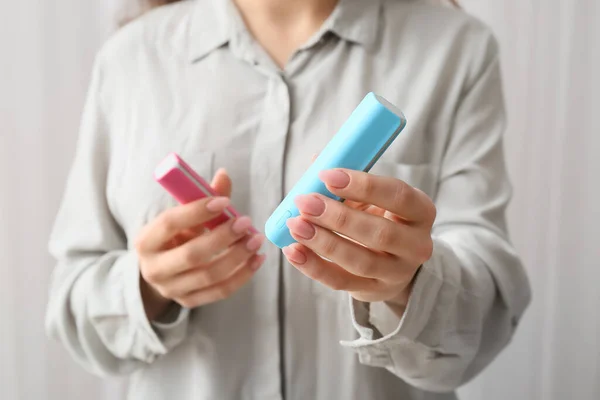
(420, 176)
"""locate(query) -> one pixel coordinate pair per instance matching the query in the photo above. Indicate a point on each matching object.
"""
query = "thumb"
(222, 183)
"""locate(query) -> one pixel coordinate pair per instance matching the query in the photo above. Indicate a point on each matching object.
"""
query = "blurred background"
(551, 65)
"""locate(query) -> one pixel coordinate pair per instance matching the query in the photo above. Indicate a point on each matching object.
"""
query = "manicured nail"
(301, 228)
(294, 255)
(218, 204)
(241, 225)
(258, 262)
(255, 243)
(310, 204)
(335, 178)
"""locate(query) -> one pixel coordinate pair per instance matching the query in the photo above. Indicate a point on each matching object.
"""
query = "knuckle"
(426, 251)
(240, 256)
(167, 222)
(214, 239)
(400, 193)
(384, 235)
(165, 292)
(189, 256)
(365, 267)
(431, 212)
(317, 274)
(206, 278)
(367, 185)
(313, 271)
(151, 275)
(224, 292)
(341, 220)
(329, 245)
(187, 302)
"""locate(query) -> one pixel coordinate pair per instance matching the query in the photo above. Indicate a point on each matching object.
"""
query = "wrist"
(155, 305)
(399, 302)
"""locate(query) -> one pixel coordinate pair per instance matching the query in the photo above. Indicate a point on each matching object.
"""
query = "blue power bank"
(359, 143)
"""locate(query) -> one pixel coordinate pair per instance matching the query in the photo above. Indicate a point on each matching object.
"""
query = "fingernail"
(294, 255)
(258, 262)
(255, 243)
(310, 204)
(218, 204)
(241, 225)
(301, 228)
(335, 178)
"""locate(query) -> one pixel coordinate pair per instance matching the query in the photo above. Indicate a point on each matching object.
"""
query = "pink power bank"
(186, 186)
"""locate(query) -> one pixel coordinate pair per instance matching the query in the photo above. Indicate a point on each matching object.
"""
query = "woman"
(246, 91)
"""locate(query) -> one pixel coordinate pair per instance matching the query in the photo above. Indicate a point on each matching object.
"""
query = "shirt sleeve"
(95, 307)
(468, 298)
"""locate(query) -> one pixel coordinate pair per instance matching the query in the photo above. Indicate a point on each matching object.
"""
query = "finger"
(371, 230)
(326, 272)
(353, 257)
(185, 236)
(217, 271)
(388, 193)
(167, 225)
(222, 183)
(226, 288)
(189, 234)
(371, 209)
(239, 252)
(357, 205)
(198, 252)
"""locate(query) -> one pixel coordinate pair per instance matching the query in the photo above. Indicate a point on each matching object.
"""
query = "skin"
(283, 26)
(386, 224)
(386, 227)
(181, 263)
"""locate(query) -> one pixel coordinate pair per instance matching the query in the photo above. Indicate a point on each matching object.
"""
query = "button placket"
(266, 186)
(267, 168)
(269, 150)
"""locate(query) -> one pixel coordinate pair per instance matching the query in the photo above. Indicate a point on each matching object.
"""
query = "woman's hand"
(181, 263)
(384, 236)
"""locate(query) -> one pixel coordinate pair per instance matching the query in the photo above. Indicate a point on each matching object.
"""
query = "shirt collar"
(357, 21)
(213, 24)
(210, 27)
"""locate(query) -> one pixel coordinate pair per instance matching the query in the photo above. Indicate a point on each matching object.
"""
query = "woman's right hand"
(193, 269)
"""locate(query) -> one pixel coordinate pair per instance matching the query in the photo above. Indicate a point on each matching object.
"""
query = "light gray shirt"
(189, 78)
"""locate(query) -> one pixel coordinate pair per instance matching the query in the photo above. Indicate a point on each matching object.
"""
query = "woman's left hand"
(384, 236)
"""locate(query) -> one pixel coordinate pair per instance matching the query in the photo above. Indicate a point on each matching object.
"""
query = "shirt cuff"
(172, 327)
(163, 335)
(379, 327)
